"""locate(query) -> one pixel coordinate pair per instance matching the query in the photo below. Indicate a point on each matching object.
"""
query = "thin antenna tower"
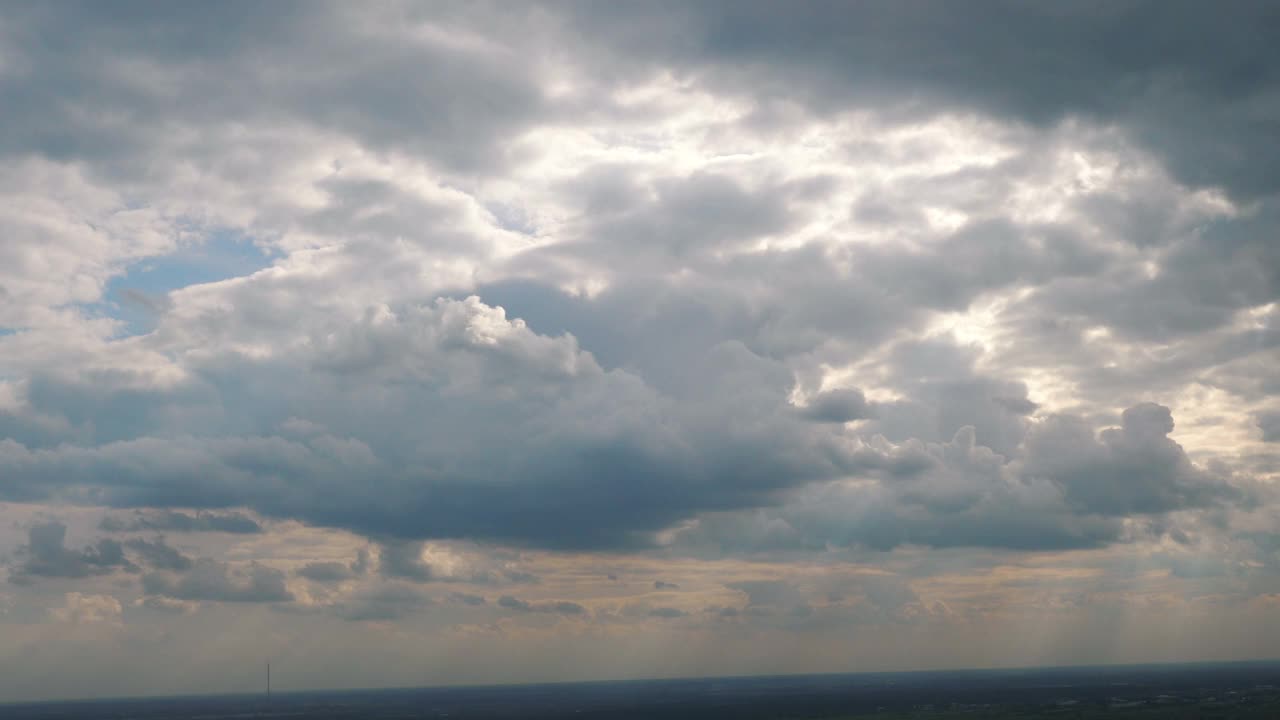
(268, 679)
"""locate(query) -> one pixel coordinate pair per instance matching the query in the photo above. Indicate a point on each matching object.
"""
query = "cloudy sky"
(420, 344)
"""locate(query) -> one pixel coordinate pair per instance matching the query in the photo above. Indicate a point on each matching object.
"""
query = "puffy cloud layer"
(419, 314)
(492, 431)
(1064, 487)
(635, 340)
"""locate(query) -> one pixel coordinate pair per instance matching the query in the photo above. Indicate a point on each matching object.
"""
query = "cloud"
(1269, 422)
(1166, 88)
(383, 603)
(467, 599)
(474, 365)
(831, 600)
(167, 605)
(764, 592)
(46, 556)
(1135, 468)
(667, 613)
(209, 579)
(573, 291)
(332, 572)
(1066, 486)
(404, 560)
(175, 521)
(519, 576)
(678, 217)
(493, 92)
(557, 607)
(511, 602)
(158, 555)
(326, 572)
(838, 406)
(79, 609)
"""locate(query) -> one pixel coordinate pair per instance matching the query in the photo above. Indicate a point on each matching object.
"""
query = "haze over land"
(419, 344)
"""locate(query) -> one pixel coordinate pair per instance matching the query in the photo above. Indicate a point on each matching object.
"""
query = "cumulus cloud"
(494, 291)
(210, 579)
(1066, 486)
(475, 366)
(46, 556)
(1135, 468)
(80, 608)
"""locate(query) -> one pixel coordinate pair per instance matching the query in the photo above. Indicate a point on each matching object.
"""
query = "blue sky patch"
(140, 295)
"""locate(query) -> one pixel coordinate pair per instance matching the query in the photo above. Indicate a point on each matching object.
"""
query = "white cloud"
(81, 608)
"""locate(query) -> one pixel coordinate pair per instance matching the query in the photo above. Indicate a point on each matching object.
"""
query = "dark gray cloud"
(1133, 469)
(404, 560)
(331, 572)
(667, 613)
(468, 599)
(1181, 300)
(1065, 486)
(519, 576)
(211, 580)
(1269, 423)
(1191, 83)
(557, 607)
(326, 572)
(511, 602)
(838, 406)
(765, 592)
(577, 484)
(46, 556)
(159, 555)
(176, 521)
(417, 93)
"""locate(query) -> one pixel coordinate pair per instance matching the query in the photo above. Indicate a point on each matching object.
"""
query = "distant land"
(1201, 690)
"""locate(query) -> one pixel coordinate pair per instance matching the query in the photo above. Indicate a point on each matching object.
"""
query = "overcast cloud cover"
(427, 343)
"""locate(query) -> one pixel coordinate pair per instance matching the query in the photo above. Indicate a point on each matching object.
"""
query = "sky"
(417, 344)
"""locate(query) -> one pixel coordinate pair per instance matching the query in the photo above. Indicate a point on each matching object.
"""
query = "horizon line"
(1172, 664)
